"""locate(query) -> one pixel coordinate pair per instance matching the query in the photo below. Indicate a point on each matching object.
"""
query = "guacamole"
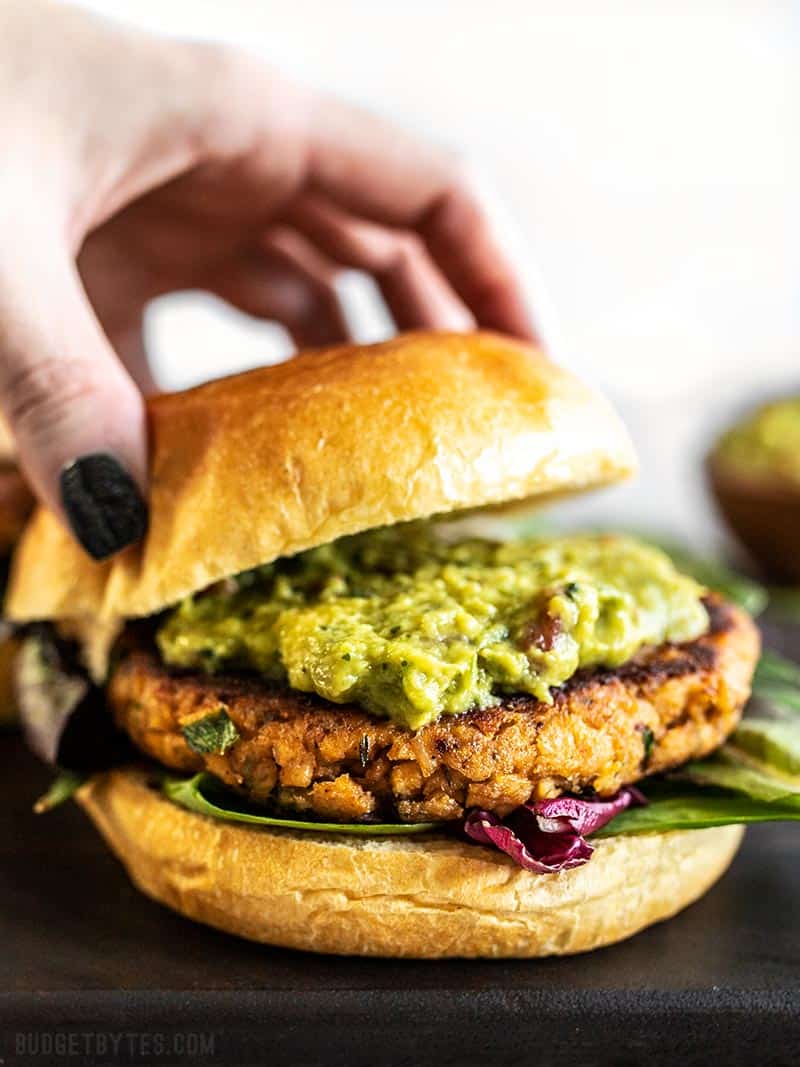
(767, 443)
(411, 627)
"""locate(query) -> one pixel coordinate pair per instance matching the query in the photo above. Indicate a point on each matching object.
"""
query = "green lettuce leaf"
(62, 788)
(774, 742)
(204, 795)
(775, 671)
(694, 809)
(213, 733)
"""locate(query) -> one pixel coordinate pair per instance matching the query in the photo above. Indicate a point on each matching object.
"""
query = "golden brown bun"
(764, 513)
(277, 460)
(422, 896)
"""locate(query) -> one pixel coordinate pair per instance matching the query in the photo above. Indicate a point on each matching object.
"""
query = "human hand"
(134, 166)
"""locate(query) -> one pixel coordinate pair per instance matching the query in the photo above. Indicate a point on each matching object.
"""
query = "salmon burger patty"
(603, 730)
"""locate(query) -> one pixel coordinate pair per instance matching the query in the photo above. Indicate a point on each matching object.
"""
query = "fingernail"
(102, 503)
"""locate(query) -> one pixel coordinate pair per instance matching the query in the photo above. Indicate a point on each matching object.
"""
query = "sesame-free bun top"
(277, 460)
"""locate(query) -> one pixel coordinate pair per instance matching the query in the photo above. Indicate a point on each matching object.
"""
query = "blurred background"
(644, 159)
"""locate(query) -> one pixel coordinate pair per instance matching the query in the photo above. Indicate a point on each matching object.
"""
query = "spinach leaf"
(774, 742)
(690, 808)
(213, 733)
(776, 688)
(774, 669)
(204, 795)
(63, 786)
(748, 777)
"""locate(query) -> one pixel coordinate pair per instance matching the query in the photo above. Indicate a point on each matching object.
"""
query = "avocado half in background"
(16, 504)
(754, 472)
(358, 736)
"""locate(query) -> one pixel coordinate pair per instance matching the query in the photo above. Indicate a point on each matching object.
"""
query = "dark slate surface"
(92, 972)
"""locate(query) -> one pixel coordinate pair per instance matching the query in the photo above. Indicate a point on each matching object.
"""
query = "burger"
(16, 504)
(358, 723)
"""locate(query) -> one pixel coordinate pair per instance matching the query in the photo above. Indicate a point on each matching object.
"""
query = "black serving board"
(92, 972)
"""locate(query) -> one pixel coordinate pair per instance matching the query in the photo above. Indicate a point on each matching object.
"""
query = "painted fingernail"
(102, 503)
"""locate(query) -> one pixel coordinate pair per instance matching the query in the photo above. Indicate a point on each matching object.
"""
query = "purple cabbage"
(549, 835)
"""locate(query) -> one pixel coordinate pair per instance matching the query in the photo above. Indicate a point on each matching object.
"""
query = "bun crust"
(423, 897)
(280, 459)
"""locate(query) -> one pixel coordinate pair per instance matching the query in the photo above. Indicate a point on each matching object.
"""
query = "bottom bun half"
(425, 897)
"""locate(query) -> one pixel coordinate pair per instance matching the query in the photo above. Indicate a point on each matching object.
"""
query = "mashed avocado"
(412, 627)
(767, 443)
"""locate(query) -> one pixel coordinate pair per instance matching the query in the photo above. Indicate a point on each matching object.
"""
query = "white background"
(647, 153)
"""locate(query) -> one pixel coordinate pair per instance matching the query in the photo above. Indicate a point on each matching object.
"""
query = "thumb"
(77, 417)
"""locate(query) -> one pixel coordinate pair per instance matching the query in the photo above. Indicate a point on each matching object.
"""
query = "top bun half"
(277, 460)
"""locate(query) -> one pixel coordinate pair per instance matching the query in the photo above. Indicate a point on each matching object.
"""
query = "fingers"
(117, 294)
(375, 170)
(130, 347)
(77, 417)
(415, 291)
(462, 240)
(287, 279)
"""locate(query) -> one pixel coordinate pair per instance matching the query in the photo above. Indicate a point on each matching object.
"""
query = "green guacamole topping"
(767, 443)
(411, 627)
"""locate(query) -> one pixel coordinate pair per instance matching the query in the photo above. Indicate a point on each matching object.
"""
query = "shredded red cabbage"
(549, 835)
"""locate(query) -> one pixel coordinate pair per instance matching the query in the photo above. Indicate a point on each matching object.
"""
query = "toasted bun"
(424, 896)
(277, 460)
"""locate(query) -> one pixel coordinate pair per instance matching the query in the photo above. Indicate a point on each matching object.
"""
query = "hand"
(134, 166)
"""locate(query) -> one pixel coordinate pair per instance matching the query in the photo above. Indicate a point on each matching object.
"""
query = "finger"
(106, 271)
(415, 291)
(77, 417)
(373, 169)
(129, 344)
(290, 282)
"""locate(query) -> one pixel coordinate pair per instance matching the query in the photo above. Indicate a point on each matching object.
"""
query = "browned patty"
(604, 729)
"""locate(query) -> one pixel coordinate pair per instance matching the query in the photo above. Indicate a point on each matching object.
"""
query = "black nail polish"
(104, 507)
